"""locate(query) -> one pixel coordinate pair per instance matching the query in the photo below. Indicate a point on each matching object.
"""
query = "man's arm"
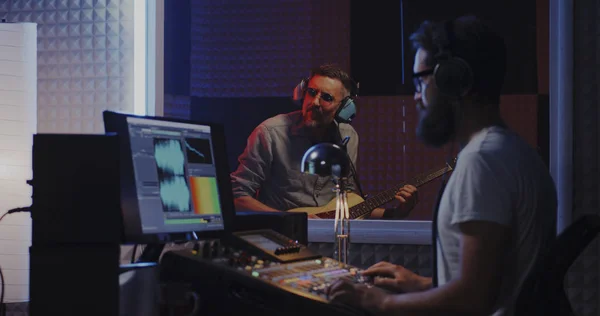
(248, 203)
(253, 170)
(482, 210)
(408, 199)
(483, 246)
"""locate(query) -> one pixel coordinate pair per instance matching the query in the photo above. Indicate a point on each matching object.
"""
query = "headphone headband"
(453, 75)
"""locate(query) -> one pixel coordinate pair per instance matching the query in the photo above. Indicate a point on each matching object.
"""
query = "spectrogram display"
(205, 196)
(170, 165)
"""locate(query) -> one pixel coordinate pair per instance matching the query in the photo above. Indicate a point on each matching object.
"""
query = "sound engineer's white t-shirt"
(498, 178)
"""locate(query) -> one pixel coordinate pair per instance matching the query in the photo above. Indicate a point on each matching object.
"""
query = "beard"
(436, 123)
(315, 118)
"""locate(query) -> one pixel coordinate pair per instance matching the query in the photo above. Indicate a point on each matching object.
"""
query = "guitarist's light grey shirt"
(269, 167)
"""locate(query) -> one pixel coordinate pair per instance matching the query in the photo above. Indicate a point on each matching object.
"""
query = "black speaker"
(76, 189)
(76, 225)
(72, 279)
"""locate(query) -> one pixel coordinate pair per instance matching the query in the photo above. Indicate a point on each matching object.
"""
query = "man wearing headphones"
(268, 177)
(497, 214)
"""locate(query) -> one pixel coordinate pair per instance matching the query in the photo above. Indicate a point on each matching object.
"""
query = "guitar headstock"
(452, 164)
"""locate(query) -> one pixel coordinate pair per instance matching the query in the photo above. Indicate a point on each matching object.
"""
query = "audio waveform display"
(170, 165)
(205, 196)
(175, 195)
(169, 156)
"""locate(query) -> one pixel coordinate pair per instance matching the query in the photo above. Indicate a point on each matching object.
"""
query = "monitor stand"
(151, 253)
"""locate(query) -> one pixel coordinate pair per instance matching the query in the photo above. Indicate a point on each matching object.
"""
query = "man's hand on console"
(368, 298)
(396, 278)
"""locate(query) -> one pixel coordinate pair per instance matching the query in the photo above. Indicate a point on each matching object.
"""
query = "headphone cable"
(344, 144)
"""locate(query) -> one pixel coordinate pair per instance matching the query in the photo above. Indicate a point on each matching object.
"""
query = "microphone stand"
(341, 229)
(341, 226)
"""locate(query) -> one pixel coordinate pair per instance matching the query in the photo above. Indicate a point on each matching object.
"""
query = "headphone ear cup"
(453, 77)
(299, 91)
(346, 112)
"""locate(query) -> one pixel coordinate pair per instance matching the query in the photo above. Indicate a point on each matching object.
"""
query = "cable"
(344, 143)
(2, 311)
(14, 210)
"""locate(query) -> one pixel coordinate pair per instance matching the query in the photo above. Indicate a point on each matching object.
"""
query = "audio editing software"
(175, 176)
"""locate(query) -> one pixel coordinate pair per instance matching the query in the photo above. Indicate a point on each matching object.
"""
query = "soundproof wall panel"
(84, 64)
(177, 106)
(85, 53)
(265, 47)
(416, 258)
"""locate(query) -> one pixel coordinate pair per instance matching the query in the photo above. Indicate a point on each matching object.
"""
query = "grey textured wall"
(85, 53)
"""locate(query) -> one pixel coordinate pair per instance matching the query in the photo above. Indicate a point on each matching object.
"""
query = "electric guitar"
(360, 208)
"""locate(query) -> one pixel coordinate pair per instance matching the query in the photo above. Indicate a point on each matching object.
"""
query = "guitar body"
(353, 199)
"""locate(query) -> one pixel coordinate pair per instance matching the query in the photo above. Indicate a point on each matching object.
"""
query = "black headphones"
(453, 75)
(347, 110)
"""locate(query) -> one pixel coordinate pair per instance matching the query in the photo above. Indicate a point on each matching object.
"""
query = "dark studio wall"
(383, 64)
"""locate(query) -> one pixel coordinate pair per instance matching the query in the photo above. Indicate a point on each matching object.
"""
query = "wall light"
(148, 51)
(140, 54)
(18, 123)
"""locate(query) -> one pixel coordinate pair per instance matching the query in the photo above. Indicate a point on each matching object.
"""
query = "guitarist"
(268, 178)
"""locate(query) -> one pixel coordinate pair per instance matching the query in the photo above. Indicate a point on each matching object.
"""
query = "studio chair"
(543, 292)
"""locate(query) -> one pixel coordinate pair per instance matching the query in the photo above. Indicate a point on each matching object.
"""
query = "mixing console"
(243, 280)
(307, 278)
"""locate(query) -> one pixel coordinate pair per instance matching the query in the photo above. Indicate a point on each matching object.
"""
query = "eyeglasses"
(417, 78)
(324, 95)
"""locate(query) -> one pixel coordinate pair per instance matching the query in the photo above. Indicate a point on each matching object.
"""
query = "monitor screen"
(174, 178)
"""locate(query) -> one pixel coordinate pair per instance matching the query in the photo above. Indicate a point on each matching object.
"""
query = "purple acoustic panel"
(263, 48)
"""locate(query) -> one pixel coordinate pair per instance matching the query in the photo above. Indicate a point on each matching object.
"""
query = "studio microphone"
(345, 141)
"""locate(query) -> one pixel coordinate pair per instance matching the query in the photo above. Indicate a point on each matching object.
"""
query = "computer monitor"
(175, 183)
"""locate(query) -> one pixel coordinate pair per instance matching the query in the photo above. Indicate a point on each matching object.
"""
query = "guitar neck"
(386, 196)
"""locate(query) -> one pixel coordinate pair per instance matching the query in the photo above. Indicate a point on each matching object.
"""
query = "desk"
(407, 243)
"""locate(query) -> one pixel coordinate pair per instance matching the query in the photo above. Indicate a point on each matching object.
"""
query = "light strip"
(139, 57)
